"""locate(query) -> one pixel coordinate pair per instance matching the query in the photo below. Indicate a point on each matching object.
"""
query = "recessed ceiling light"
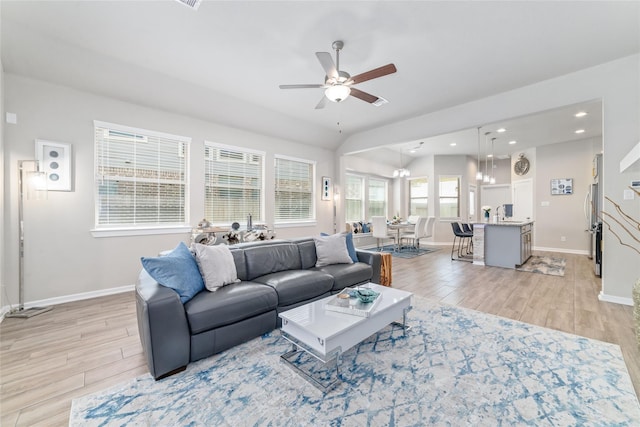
(512, 142)
(412, 150)
(581, 114)
(580, 131)
(489, 155)
(453, 144)
(501, 130)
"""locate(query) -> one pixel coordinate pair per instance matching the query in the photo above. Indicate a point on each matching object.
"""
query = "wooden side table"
(385, 269)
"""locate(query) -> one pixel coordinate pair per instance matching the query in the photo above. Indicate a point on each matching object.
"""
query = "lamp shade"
(337, 93)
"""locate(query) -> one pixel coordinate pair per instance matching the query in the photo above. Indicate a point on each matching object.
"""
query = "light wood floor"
(83, 347)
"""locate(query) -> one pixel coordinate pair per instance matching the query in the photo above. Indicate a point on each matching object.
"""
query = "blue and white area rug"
(455, 367)
(409, 253)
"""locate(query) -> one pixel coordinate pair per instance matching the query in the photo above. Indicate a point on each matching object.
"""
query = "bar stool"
(461, 236)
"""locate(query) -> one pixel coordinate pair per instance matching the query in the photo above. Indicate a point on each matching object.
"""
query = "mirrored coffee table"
(326, 334)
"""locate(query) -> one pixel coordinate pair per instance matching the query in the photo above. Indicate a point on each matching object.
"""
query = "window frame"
(247, 157)
(385, 181)
(457, 198)
(426, 179)
(140, 228)
(361, 179)
(282, 223)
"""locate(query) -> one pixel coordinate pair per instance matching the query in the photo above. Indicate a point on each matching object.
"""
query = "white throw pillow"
(332, 250)
(216, 265)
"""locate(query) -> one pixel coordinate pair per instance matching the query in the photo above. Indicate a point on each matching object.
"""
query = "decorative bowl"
(367, 295)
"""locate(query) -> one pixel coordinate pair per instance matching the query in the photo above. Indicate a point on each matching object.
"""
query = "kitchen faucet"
(498, 212)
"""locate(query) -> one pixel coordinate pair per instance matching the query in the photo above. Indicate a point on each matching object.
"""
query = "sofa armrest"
(374, 259)
(163, 328)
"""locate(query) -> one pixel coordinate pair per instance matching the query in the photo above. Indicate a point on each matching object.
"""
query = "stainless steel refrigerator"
(592, 210)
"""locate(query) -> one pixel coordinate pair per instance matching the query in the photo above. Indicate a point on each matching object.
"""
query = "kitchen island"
(502, 244)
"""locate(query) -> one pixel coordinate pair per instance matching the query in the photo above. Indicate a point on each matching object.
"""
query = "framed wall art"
(326, 188)
(561, 186)
(55, 160)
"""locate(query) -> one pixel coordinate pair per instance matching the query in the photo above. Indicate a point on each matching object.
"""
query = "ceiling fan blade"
(327, 63)
(310, 86)
(322, 103)
(374, 74)
(367, 97)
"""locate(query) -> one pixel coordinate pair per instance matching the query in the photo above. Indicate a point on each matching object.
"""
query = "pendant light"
(479, 172)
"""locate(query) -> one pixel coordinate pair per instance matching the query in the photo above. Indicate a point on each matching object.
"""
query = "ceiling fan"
(339, 84)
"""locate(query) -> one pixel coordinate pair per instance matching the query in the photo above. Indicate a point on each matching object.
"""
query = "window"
(233, 184)
(140, 177)
(449, 197)
(418, 196)
(377, 197)
(354, 198)
(294, 190)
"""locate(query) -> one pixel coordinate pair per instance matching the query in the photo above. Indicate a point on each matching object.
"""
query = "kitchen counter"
(504, 244)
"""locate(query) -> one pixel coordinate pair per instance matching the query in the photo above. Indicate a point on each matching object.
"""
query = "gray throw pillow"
(216, 265)
(332, 250)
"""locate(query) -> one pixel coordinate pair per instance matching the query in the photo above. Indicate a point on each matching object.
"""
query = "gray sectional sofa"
(275, 276)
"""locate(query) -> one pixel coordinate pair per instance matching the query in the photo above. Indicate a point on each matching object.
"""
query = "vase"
(636, 309)
(486, 215)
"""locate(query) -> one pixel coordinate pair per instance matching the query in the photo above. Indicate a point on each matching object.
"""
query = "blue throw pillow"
(177, 270)
(365, 227)
(350, 246)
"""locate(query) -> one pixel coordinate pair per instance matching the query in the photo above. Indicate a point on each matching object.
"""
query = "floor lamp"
(36, 182)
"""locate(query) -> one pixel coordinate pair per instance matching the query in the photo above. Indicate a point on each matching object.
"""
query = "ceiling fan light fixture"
(337, 93)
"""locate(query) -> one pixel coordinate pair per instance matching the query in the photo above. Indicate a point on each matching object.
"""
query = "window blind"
(140, 177)
(377, 197)
(233, 184)
(294, 190)
(418, 196)
(449, 197)
(354, 198)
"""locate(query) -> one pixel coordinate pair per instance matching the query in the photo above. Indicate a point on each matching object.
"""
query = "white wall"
(61, 256)
(3, 281)
(564, 214)
(616, 83)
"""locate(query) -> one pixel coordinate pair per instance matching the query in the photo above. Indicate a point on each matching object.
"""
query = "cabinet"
(526, 237)
(507, 244)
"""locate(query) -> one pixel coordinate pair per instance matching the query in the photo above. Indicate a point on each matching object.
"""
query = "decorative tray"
(347, 302)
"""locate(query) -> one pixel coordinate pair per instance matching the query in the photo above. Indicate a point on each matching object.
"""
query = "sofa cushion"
(229, 304)
(217, 266)
(332, 250)
(346, 275)
(297, 285)
(272, 258)
(351, 248)
(177, 270)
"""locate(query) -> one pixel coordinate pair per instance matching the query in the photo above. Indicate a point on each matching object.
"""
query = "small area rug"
(455, 367)
(409, 253)
(544, 265)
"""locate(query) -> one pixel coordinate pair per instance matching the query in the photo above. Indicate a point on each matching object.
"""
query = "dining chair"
(428, 229)
(419, 232)
(380, 230)
(413, 219)
(461, 237)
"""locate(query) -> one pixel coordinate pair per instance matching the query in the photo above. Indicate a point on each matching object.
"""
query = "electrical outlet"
(563, 238)
(544, 203)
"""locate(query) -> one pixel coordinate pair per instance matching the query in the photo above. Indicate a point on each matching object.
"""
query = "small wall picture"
(55, 160)
(326, 188)
(562, 186)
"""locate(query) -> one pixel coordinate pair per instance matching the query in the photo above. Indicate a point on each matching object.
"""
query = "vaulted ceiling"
(225, 61)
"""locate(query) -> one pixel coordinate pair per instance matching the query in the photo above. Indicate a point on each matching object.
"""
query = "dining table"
(399, 227)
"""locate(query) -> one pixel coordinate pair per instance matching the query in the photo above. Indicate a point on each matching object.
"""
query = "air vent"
(193, 4)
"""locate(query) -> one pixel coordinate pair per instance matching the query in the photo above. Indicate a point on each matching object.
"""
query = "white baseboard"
(561, 250)
(71, 298)
(614, 299)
